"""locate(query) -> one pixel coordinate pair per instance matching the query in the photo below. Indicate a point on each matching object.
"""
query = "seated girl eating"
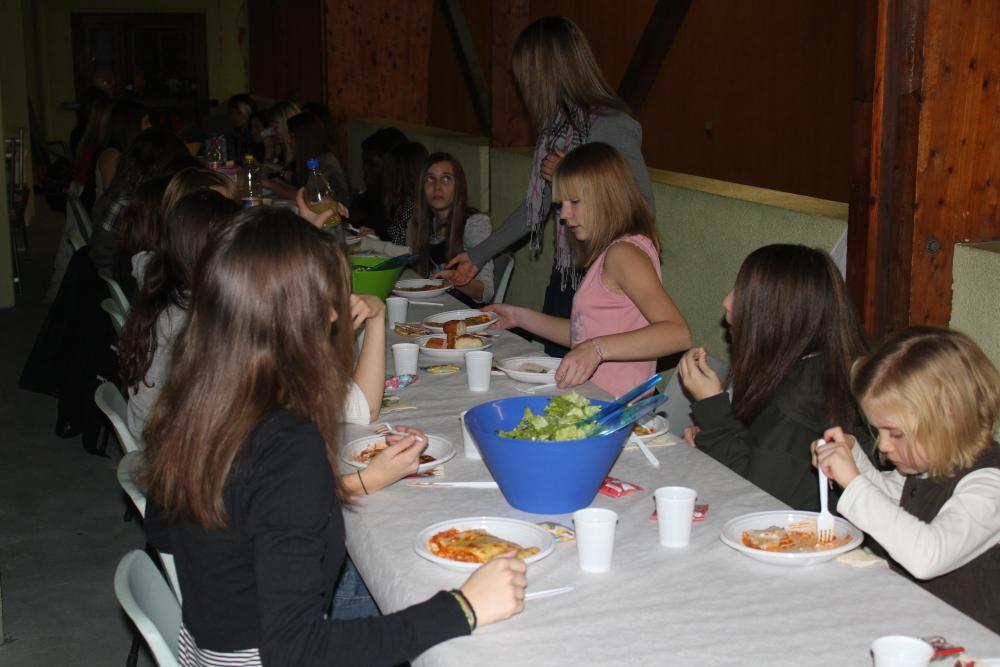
(934, 398)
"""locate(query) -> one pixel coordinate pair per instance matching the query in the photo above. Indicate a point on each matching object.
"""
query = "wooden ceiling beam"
(647, 59)
(471, 67)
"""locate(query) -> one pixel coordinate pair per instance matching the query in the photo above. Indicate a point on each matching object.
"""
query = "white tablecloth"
(704, 604)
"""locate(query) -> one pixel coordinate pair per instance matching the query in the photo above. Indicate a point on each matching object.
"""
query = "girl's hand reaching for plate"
(509, 316)
(578, 365)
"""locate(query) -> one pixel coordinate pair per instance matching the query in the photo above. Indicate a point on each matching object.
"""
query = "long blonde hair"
(943, 387)
(599, 176)
(258, 339)
(555, 70)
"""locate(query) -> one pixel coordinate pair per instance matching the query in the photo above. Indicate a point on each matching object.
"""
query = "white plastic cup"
(395, 307)
(900, 651)
(595, 538)
(471, 448)
(404, 358)
(674, 514)
(477, 367)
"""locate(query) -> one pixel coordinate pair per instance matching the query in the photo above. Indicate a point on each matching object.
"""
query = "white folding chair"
(149, 602)
(111, 403)
(130, 469)
(110, 307)
(78, 212)
(504, 267)
(678, 405)
(118, 294)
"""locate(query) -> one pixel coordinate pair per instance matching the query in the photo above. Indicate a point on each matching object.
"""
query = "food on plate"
(472, 321)
(463, 342)
(473, 546)
(374, 449)
(559, 421)
(532, 367)
(410, 330)
(453, 329)
(424, 288)
(643, 430)
(789, 540)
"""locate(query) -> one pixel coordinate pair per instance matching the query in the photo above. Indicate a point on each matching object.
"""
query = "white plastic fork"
(825, 531)
(535, 387)
(383, 429)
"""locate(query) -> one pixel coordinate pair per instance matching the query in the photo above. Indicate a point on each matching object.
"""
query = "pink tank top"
(597, 311)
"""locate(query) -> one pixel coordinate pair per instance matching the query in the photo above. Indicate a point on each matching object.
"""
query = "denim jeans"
(351, 598)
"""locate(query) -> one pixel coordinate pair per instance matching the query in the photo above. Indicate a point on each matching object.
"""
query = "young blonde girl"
(622, 319)
(934, 398)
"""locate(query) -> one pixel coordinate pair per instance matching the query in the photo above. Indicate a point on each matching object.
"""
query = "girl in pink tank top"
(623, 320)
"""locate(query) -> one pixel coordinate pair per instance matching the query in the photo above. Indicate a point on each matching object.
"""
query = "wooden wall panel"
(283, 68)
(958, 157)
(511, 126)
(378, 54)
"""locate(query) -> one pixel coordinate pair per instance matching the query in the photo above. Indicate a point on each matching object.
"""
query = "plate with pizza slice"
(465, 544)
(360, 452)
(474, 320)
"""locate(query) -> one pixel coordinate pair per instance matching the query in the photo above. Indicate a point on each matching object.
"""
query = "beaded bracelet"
(467, 609)
(360, 479)
(597, 348)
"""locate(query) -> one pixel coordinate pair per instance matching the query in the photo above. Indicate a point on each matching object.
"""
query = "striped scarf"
(564, 133)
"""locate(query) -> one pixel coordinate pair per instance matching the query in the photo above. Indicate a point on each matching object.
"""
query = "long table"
(704, 604)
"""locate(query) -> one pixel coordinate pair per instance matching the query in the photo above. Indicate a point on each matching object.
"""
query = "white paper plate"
(436, 322)
(446, 355)
(732, 536)
(512, 367)
(420, 282)
(520, 532)
(658, 423)
(438, 447)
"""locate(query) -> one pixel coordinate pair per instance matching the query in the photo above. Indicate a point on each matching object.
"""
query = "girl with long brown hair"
(570, 103)
(242, 451)
(794, 337)
(622, 320)
(443, 226)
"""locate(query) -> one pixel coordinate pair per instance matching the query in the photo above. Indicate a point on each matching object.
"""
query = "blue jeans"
(351, 598)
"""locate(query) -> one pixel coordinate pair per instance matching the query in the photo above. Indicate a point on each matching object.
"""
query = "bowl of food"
(378, 283)
(540, 459)
(465, 544)
(788, 538)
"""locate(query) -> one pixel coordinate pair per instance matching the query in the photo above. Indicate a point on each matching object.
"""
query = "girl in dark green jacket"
(795, 335)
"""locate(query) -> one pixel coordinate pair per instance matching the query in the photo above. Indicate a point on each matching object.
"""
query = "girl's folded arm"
(966, 527)
(630, 269)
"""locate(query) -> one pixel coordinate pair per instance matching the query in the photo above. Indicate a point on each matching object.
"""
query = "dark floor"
(61, 528)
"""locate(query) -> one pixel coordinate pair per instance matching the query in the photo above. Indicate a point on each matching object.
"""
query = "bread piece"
(435, 343)
(468, 342)
(453, 329)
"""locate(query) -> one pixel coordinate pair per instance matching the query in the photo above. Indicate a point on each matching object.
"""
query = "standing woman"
(795, 337)
(245, 469)
(570, 103)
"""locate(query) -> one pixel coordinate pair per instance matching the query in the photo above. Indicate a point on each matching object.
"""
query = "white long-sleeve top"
(966, 527)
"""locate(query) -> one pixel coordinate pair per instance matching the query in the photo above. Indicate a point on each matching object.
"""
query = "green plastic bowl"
(378, 283)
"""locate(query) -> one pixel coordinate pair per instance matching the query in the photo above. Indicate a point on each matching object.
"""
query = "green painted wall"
(975, 303)
(227, 64)
(472, 152)
(13, 67)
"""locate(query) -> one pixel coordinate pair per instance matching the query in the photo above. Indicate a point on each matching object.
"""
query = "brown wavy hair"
(258, 339)
(597, 174)
(790, 301)
(555, 70)
(944, 388)
(424, 216)
(169, 276)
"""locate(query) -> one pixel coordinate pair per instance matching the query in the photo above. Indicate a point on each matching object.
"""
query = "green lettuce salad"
(559, 421)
